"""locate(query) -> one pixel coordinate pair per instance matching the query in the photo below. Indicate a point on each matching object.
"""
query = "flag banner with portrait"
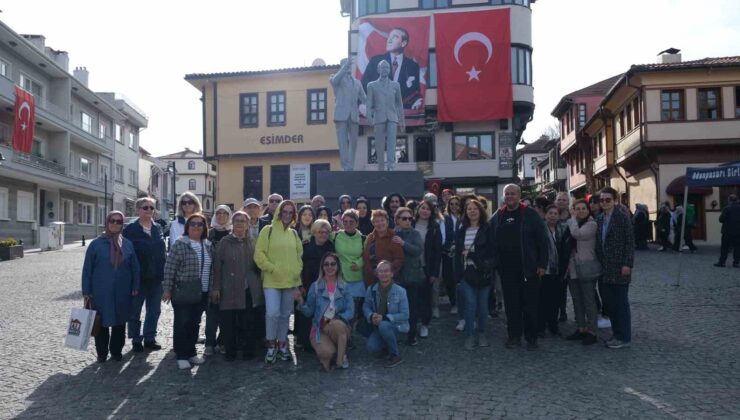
(473, 65)
(404, 44)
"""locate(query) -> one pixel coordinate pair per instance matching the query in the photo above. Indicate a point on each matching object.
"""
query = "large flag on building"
(473, 65)
(25, 117)
(404, 44)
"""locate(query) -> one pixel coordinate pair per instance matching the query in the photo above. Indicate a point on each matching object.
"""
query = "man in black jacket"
(272, 202)
(730, 219)
(146, 237)
(521, 253)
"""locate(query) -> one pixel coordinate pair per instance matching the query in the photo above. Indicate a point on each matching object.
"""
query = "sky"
(144, 49)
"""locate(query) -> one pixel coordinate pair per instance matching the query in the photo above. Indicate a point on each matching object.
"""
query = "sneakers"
(412, 342)
(345, 362)
(513, 343)
(271, 355)
(393, 361)
(589, 339)
(137, 347)
(617, 344)
(116, 357)
(284, 354)
(604, 323)
(183, 364)
(424, 332)
(209, 351)
(482, 340)
(435, 313)
(460, 325)
(197, 360)
(152, 346)
(469, 342)
(453, 310)
(102, 359)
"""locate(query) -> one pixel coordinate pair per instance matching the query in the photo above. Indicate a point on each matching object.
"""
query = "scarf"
(214, 222)
(116, 240)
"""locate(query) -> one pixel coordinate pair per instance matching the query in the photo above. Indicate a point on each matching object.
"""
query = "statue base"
(372, 184)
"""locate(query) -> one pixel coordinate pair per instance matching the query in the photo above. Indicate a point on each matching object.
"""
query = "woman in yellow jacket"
(278, 254)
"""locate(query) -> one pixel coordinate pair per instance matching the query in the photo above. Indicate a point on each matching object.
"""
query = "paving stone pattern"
(684, 362)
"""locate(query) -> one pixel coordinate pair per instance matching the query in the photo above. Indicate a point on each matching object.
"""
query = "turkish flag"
(473, 65)
(25, 117)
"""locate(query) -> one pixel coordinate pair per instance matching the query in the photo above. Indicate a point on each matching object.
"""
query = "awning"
(676, 187)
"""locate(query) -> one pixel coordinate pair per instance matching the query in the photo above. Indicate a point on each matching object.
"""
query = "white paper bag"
(79, 327)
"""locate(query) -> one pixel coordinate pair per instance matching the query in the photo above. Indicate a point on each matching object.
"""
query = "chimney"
(38, 41)
(59, 57)
(81, 74)
(669, 56)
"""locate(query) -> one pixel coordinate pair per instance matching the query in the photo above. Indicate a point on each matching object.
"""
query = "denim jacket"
(398, 306)
(317, 302)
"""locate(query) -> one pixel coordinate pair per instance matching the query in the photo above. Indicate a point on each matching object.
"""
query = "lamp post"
(173, 170)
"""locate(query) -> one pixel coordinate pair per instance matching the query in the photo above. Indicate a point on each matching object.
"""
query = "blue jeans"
(476, 307)
(383, 338)
(617, 302)
(460, 302)
(151, 292)
(212, 318)
(185, 329)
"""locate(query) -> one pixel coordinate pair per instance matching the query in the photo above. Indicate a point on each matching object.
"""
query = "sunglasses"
(406, 218)
(196, 224)
(146, 208)
(115, 222)
(274, 201)
(330, 264)
(187, 203)
(606, 200)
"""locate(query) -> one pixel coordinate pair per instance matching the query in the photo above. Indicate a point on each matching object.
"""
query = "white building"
(155, 180)
(195, 175)
(528, 156)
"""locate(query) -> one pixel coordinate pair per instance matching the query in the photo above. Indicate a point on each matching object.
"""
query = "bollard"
(83, 240)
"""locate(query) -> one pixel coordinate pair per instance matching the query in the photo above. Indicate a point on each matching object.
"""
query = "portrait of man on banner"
(404, 44)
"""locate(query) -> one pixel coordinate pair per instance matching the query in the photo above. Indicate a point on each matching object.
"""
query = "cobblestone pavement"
(683, 362)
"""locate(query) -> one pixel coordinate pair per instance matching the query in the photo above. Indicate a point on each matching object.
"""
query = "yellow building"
(268, 131)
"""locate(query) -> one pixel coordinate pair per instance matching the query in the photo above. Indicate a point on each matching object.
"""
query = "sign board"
(300, 181)
(505, 151)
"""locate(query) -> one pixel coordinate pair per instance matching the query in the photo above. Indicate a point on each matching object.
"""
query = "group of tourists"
(360, 272)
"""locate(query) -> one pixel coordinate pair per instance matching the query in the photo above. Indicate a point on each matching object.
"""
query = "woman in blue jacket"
(110, 277)
(331, 307)
(386, 308)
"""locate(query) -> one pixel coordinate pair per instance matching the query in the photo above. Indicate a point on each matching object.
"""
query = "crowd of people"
(360, 274)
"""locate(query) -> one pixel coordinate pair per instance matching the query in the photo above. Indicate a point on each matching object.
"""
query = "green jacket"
(349, 249)
(278, 255)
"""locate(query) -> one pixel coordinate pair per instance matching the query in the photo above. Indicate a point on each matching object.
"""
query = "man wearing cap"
(253, 208)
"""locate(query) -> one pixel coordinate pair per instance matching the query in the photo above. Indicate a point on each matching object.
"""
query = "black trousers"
(237, 328)
(413, 295)
(110, 338)
(448, 277)
(425, 302)
(521, 299)
(550, 294)
(727, 243)
(185, 328)
(562, 293)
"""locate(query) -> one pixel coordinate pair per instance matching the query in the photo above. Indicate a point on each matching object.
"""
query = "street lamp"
(173, 170)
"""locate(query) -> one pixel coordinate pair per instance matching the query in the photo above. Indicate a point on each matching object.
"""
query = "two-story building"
(155, 180)
(194, 174)
(550, 172)
(470, 156)
(658, 119)
(62, 179)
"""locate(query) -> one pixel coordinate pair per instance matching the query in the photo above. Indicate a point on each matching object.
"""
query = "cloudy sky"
(144, 48)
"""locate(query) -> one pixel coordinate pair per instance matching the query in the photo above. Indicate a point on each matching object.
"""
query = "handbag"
(472, 275)
(189, 292)
(79, 328)
(588, 269)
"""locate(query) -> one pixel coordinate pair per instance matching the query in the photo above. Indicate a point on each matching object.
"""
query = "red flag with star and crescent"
(473, 65)
(25, 117)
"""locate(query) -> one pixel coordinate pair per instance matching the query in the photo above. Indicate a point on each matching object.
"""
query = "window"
(671, 105)
(402, 150)
(102, 131)
(209, 186)
(473, 147)
(435, 4)
(32, 86)
(622, 130)
(4, 203)
(24, 206)
(276, 110)
(101, 215)
(737, 101)
(119, 173)
(600, 143)
(191, 165)
(424, 148)
(85, 213)
(316, 106)
(521, 66)
(371, 7)
(36, 148)
(191, 184)
(581, 115)
(131, 141)
(248, 110)
(85, 168)
(119, 133)
(253, 182)
(86, 122)
(432, 69)
(67, 215)
(132, 177)
(4, 68)
(280, 179)
(517, 2)
(710, 107)
(208, 203)
(628, 114)
(636, 108)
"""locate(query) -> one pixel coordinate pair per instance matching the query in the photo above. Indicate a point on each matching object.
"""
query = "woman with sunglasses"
(330, 307)
(412, 275)
(187, 205)
(313, 251)
(279, 255)
(187, 280)
(110, 279)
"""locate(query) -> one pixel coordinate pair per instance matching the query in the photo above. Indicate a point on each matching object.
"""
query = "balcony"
(628, 144)
(38, 162)
(567, 142)
(600, 164)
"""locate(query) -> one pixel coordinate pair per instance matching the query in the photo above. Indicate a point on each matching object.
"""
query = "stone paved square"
(684, 362)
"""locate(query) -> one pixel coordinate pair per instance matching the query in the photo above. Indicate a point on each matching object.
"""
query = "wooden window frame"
(253, 96)
(700, 107)
(270, 112)
(467, 144)
(682, 105)
(309, 103)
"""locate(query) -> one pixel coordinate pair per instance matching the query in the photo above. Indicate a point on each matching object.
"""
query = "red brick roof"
(597, 89)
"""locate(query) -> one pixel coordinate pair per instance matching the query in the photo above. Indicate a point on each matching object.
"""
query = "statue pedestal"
(373, 184)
